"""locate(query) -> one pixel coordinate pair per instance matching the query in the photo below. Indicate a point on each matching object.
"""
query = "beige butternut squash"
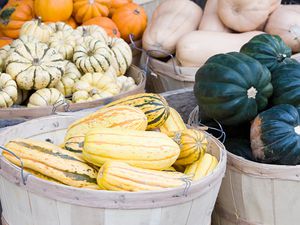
(245, 15)
(170, 21)
(195, 48)
(285, 22)
(210, 20)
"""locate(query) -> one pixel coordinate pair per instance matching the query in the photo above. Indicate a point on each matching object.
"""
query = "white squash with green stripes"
(92, 55)
(46, 97)
(35, 66)
(64, 42)
(93, 31)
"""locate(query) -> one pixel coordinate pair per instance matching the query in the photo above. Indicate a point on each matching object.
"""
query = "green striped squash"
(35, 66)
(154, 106)
(53, 162)
(92, 55)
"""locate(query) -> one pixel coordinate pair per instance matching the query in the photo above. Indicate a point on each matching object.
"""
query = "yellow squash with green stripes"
(53, 162)
(173, 123)
(145, 149)
(154, 106)
(117, 116)
(201, 167)
(118, 176)
(193, 144)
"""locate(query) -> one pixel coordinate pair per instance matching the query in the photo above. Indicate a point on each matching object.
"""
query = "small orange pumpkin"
(14, 14)
(130, 19)
(87, 9)
(115, 4)
(71, 21)
(5, 41)
(53, 10)
(107, 24)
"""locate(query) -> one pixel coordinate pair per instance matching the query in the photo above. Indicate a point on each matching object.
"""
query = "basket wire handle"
(194, 121)
(61, 103)
(24, 178)
(148, 56)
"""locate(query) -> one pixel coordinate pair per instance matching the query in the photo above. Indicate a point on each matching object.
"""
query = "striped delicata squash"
(154, 106)
(53, 162)
(118, 176)
(144, 149)
(116, 116)
(173, 123)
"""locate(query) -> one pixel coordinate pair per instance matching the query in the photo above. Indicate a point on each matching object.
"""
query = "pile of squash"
(137, 143)
(255, 95)
(53, 63)
(120, 18)
(193, 35)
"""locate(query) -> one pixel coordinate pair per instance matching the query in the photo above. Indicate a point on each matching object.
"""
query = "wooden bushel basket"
(40, 202)
(10, 116)
(258, 194)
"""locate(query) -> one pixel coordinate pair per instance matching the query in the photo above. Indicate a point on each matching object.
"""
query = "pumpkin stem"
(94, 91)
(251, 92)
(136, 12)
(91, 2)
(36, 62)
(39, 20)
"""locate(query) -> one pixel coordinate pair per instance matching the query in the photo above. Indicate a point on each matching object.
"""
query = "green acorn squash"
(269, 50)
(275, 135)
(239, 147)
(232, 88)
(286, 83)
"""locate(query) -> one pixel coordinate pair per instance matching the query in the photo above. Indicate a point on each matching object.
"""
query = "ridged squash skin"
(154, 106)
(193, 144)
(144, 149)
(127, 117)
(173, 123)
(269, 50)
(232, 88)
(201, 167)
(52, 161)
(118, 176)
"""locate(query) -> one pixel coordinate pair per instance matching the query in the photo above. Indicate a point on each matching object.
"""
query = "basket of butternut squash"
(134, 153)
(176, 48)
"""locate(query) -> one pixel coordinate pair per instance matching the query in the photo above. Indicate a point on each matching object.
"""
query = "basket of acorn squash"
(53, 67)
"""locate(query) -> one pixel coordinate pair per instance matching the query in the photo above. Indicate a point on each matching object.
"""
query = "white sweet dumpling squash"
(4, 53)
(60, 26)
(37, 29)
(68, 80)
(92, 55)
(245, 15)
(46, 97)
(121, 54)
(93, 31)
(126, 83)
(35, 66)
(8, 91)
(64, 42)
(23, 40)
(94, 86)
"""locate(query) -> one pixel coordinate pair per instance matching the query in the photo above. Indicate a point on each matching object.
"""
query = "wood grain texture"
(255, 194)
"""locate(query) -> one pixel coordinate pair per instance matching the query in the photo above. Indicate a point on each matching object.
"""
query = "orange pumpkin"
(107, 24)
(88, 9)
(53, 10)
(115, 4)
(14, 14)
(5, 41)
(131, 19)
(71, 21)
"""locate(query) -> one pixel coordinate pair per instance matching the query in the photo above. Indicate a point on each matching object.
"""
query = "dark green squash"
(269, 50)
(239, 147)
(286, 83)
(275, 135)
(232, 88)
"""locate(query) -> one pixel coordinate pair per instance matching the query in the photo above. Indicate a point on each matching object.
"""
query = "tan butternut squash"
(210, 20)
(285, 22)
(195, 48)
(245, 15)
(170, 21)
